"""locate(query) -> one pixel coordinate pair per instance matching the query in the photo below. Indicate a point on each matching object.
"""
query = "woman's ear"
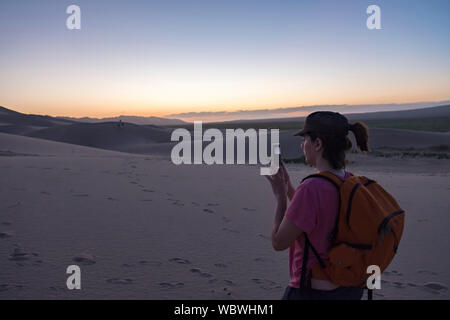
(318, 144)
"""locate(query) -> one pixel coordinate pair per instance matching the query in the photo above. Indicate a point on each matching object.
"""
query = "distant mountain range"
(156, 121)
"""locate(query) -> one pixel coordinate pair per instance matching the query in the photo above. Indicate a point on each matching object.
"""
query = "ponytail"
(361, 132)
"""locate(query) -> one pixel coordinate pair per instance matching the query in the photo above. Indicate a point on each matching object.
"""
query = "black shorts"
(340, 293)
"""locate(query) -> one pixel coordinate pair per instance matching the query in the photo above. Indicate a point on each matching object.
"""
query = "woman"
(314, 205)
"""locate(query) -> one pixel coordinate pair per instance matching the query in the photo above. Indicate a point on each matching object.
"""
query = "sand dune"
(149, 139)
(138, 228)
(107, 135)
(141, 227)
(12, 117)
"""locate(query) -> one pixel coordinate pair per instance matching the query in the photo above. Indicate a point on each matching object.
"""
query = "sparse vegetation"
(437, 124)
(442, 147)
(410, 154)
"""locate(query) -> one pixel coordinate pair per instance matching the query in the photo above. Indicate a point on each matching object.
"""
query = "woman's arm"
(290, 191)
(290, 188)
(284, 232)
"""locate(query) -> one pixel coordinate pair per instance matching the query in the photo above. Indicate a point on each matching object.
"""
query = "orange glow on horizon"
(102, 111)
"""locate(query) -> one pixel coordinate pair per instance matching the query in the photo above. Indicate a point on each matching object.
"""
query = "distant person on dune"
(314, 205)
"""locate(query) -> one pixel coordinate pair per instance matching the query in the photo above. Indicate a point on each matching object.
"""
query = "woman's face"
(308, 150)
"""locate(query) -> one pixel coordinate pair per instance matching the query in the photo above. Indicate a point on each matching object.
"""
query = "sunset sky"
(167, 57)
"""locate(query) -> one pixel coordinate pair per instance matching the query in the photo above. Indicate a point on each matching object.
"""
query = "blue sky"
(167, 57)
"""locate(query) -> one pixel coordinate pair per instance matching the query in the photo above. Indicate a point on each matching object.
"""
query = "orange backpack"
(368, 230)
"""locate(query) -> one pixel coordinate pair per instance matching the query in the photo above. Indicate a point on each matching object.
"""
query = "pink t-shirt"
(313, 209)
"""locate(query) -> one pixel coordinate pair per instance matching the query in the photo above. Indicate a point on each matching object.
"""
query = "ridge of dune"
(106, 135)
(30, 146)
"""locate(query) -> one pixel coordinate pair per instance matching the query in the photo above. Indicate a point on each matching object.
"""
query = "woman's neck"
(324, 165)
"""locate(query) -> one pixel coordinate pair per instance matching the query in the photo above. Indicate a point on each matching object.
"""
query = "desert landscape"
(107, 197)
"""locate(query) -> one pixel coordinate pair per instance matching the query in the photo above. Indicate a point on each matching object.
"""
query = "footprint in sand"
(37, 263)
(225, 281)
(399, 285)
(112, 199)
(7, 287)
(81, 195)
(13, 205)
(412, 284)
(435, 287)
(171, 285)
(212, 204)
(133, 182)
(119, 281)
(147, 190)
(46, 193)
(225, 219)
(6, 223)
(6, 234)
(222, 293)
(53, 288)
(19, 255)
(230, 230)
(126, 265)
(427, 272)
(259, 259)
(263, 236)
(266, 284)
(201, 273)
(248, 209)
(150, 263)
(180, 261)
(220, 265)
(208, 210)
(66, 169)
(85, 259)
(195, 204)
(392, 273)
(178, 203)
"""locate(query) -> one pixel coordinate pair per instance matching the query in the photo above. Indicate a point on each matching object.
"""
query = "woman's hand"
(280, 183)
(290, 189)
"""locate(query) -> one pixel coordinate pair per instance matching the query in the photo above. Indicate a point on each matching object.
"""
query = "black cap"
(325, 122)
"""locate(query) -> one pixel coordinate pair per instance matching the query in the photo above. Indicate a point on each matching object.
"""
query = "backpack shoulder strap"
(327, 176)
(337, 182)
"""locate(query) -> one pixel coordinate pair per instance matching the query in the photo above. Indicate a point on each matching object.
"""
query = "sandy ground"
(142, 228)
